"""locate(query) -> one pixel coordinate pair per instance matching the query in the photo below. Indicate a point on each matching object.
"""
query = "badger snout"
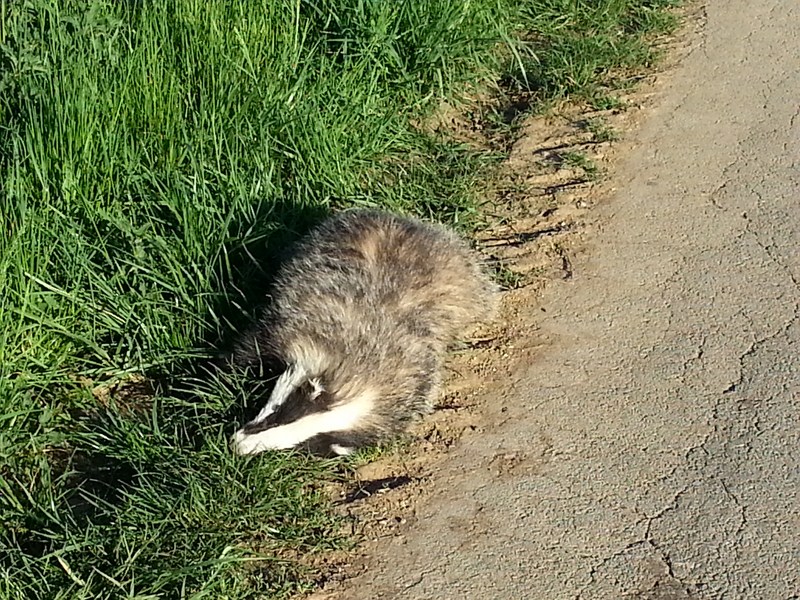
(243, 443)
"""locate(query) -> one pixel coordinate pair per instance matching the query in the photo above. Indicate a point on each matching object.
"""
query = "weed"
(579, 160)
(606, 102)
(601, 131)
(506, 278)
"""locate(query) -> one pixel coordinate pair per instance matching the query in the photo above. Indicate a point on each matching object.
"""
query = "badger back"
(417, 274)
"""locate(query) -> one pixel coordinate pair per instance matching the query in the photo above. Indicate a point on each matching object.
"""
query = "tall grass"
(155, 158)
(589, 48)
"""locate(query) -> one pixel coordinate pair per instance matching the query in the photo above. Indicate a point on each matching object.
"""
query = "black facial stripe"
(300, 403)
(256, 427)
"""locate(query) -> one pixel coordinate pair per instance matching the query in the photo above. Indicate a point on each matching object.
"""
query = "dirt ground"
(538, 225)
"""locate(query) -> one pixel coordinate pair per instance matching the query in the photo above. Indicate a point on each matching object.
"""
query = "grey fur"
(368, 301)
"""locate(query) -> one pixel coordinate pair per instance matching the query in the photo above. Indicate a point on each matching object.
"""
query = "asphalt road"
(662, 428)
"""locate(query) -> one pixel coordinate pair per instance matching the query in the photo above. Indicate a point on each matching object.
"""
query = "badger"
(360, 319)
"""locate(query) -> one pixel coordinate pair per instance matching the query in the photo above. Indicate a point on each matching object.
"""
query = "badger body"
(360, 319)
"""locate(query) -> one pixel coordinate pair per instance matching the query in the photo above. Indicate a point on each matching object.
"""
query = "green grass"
(601, 131)
(589, 48)
(579, 160)
(155, 159)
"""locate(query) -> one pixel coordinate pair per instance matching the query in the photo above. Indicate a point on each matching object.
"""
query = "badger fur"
(359, 321)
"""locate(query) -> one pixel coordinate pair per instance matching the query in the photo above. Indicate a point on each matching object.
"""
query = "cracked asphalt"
(659, 434)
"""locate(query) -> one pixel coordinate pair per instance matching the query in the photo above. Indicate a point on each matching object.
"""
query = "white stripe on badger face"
(289, 381)
(340, 418)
